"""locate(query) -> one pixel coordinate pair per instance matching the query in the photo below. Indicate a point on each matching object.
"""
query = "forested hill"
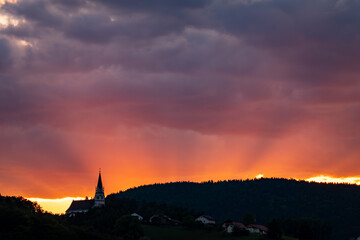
(265, 198)
(21, 219)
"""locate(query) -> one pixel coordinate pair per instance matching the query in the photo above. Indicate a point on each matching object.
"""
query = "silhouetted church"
(81, 206)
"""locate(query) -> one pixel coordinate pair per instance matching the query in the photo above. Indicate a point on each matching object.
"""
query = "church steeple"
(99, 193)
(99, 185)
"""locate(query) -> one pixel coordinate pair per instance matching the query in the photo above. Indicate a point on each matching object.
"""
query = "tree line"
(335, 204)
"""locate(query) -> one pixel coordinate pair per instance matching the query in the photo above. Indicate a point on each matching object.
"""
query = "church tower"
(99, 199)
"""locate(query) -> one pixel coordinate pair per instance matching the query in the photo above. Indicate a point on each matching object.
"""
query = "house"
(259, 229)
(140, 218)
(205, 219)
(161, 219)
(229, 226)
(82, 206)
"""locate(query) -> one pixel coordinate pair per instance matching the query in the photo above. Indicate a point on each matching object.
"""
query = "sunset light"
(190, 92)
(328, 179)
(56, 206)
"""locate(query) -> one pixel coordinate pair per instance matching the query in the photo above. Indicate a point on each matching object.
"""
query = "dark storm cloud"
(24, 31)
(36, 11)
(301, 34)
(5, 53)
(292, 41)
(316, 36)
(282, 23)
(95, 24)
(96, 28)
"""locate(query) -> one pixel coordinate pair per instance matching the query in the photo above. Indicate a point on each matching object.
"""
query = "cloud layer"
(176, 90)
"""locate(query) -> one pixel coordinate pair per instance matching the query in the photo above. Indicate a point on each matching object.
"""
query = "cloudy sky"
(168, 90)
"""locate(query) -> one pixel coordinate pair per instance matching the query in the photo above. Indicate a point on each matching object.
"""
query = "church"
(81, 206)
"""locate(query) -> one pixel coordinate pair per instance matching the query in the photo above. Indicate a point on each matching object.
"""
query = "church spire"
(99, 184)
(99, 193)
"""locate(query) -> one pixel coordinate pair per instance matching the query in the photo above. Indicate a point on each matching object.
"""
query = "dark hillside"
(21, 219)
(265, 198)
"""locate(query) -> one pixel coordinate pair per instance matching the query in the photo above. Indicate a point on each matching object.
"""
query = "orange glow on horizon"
(55, 206)
(329, 179)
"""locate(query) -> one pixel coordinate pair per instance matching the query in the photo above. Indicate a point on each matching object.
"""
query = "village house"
(252, 228)
(229, 227)
(161, 219)
(259, 229)
(140, 218)
(205, 219)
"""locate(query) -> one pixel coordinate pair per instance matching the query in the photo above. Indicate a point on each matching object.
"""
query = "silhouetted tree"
(248, 218)
(305, 232)
(274, 231)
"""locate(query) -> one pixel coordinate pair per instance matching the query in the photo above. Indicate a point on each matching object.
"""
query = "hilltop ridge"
(266, 198)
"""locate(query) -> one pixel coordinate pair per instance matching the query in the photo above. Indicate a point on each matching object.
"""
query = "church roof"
(80, 205)
(99, 185)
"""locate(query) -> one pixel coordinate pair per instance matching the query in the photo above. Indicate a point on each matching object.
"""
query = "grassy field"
(181, 233)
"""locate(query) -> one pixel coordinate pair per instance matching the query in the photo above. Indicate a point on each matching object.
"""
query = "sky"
(176, 90)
